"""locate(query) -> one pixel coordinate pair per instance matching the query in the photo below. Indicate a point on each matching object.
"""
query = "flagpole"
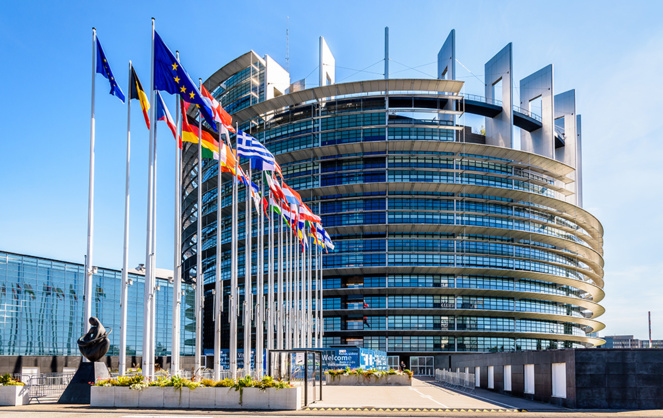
(218, 296)
(125, 249)
(260, 286)
(153, 270)
(200, 281)
(270, 275)
(148, 241)
(302, 336)
(322, 319)
(288, 264)
(234, 293)
(279, 297)
(90, 203)
(309, 294)
(248, 291)
(177, 262)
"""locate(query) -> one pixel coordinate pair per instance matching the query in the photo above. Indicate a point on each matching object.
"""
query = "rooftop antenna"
(287, 45)
(386, 52)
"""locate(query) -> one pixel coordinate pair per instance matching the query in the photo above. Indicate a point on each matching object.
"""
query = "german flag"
(136, 92)
(190, 134)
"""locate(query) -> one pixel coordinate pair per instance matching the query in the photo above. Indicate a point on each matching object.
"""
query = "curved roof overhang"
(451, 87)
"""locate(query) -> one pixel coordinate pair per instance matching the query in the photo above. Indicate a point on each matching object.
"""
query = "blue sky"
(610, 52)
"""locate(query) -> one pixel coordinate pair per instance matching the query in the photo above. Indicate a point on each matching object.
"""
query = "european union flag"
(171, 77)
(104, 69)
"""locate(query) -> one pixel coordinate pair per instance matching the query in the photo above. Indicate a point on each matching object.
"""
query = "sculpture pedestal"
(78, 390)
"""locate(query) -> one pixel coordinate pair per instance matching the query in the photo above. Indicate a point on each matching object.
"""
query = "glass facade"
(41, 308)
(441, 244)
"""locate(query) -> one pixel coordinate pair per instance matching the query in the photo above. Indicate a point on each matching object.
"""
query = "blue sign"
(354, 358)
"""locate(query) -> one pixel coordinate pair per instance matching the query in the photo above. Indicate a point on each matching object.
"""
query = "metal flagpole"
(305, 267)
(147, 298)
(270, 276)
(296, 292)
(286, 306)
(309, 295)
(279, 297)
(153, 269)
(125, 248)
(304, 328)
(322, 319)
(90, 202)
(260, 286)
(200, 281)
(234, 294)
(218, 295)
(288, 265)
(248, 291)
(177, 259)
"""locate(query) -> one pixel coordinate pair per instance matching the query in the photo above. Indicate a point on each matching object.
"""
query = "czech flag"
(164, 115)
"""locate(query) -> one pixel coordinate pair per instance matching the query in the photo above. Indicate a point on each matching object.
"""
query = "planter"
(14, 395)
(356, 380)
(199, 398)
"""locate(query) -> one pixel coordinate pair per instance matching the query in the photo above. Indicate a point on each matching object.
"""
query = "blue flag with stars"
(104, 69)
(171, 77)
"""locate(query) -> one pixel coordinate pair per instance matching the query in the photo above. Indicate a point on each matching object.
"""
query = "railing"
(456, 380)
(47, 387)
(477, 98)
(527, 113)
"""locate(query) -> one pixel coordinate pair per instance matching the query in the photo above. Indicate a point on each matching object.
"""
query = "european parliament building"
(447, 240)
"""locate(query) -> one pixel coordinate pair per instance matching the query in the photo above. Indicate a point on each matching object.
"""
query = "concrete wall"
(542, 361)
(595, 378)
(619, 378)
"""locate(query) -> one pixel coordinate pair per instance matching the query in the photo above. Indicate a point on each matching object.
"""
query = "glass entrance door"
(422, 365)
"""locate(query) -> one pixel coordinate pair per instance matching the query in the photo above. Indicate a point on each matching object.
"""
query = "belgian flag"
(136, 92)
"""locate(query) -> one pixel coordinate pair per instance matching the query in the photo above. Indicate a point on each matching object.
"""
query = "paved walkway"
(423, 394)
(424, 398)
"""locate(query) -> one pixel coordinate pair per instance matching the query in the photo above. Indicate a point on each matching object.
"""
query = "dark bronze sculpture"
(95, 344)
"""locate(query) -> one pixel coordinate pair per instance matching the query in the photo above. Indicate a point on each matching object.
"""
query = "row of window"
(453, 302)
(449, 323)
(442, 344)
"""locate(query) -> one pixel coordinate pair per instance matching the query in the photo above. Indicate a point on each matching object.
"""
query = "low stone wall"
(359, 380)
(198, 398)
(14, 395)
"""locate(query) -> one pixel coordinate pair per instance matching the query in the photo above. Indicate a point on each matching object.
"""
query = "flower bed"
(371, 377)
(175, 392)
(12, 391)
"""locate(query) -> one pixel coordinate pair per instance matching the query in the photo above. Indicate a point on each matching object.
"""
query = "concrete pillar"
(539, 84)
(499, 130)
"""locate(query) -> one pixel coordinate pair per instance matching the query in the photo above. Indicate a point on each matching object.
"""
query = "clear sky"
(610, 52)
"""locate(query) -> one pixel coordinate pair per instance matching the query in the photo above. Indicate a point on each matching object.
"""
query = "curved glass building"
(447, 240)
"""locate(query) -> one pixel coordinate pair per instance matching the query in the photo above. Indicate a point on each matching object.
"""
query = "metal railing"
(456, 380)
(527, 113)
(47, 388)
(477, 98)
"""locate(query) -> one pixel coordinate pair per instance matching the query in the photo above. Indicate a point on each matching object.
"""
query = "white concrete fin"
(446, 58)
(327, 65)
(565, 124)
(499, 75)
(535, 86)
(277, 79)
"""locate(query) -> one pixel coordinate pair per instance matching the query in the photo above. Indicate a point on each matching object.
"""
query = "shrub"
(7, 380)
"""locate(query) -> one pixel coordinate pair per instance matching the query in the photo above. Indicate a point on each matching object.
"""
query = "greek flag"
(249, 147)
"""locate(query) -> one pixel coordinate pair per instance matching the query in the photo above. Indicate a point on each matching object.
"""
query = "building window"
(559, 380)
